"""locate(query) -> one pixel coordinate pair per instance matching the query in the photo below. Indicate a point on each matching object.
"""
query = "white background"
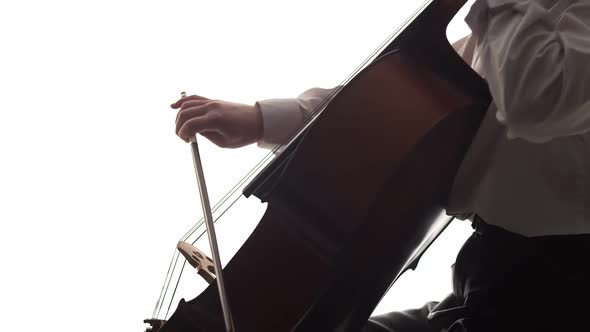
(95, 188)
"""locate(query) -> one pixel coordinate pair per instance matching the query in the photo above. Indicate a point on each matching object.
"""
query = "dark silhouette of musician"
(524, 183)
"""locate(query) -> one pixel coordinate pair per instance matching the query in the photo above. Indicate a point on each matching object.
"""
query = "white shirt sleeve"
(534, 55)
(280, 117)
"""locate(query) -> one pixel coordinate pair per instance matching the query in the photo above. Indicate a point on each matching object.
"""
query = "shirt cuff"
(280, 117)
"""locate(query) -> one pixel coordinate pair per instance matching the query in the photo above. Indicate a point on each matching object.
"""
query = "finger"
(194, 109)
(180, 101)
(187, 114)
(188, 108)
(196, 125)
(194, 103)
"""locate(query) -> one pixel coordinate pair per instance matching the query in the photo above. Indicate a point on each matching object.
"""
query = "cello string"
(296, 132)
(162, 291)
(231, 204)
(168, 284)
(201, 221)
(182, 270)
(175, 288)
(230, 193)
(168, 279)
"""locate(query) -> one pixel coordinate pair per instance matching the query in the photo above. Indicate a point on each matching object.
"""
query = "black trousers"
(503, 281)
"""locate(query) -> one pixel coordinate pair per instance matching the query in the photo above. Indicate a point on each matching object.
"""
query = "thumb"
(181, 101)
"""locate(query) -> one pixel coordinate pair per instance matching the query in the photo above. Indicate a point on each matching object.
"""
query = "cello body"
(354, 197)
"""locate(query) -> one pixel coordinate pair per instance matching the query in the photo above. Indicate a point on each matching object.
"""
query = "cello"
(396, 132)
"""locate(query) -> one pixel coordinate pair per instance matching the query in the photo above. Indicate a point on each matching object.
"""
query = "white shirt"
(528, 168)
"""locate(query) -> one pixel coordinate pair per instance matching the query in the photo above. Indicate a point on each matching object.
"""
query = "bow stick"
(229, 326)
